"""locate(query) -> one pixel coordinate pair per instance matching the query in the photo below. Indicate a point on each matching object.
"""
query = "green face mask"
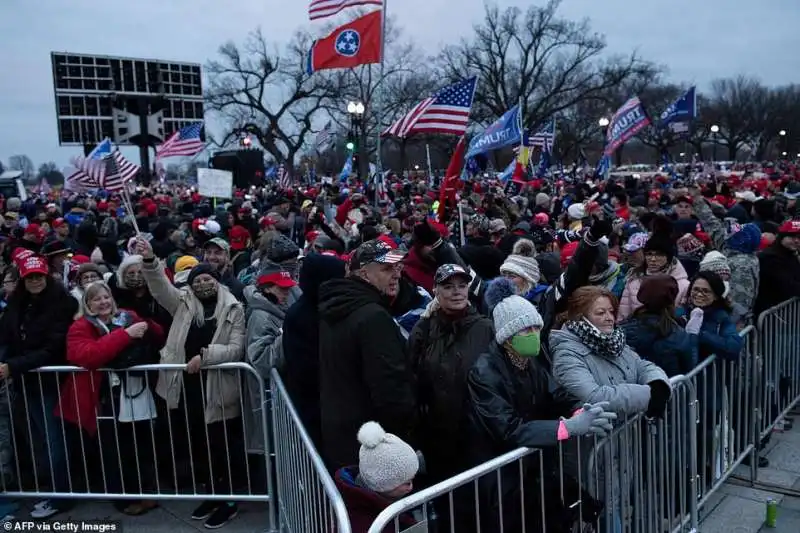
(526, 345)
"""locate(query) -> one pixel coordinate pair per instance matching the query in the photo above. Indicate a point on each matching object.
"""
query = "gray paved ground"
(172, 517)
(742, 509)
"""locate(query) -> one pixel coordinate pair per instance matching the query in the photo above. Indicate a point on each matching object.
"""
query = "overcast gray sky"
(697, 40)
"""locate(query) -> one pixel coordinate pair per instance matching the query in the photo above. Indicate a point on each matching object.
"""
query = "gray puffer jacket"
(621, 381)
(264, 349)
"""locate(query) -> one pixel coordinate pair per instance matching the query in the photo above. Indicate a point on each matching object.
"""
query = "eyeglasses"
(702, 292)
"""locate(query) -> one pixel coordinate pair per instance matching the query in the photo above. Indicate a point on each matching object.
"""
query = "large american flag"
(120, 172)
(184, 142)
(323, 138)
(545, 137)
(447, 111)
(326, 8)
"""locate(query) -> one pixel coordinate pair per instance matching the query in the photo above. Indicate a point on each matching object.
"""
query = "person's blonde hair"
(581, 301)
(91, 291)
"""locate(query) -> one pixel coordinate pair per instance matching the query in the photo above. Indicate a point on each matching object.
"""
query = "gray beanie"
(542, 200)
(385, 461)
(525, 267)
(512, 315)
(281, 249)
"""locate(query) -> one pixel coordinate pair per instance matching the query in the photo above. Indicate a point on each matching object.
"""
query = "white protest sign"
(213, 183)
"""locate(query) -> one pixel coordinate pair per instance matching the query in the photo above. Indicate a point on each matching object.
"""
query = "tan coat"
(222, 388)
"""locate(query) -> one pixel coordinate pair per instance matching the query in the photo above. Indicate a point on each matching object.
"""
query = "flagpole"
(430, 168)
(379, 99)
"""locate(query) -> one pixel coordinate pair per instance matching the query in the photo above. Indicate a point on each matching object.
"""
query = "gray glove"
(594, 420)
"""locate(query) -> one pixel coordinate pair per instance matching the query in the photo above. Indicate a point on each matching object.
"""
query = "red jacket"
(363, 505)
(87, 348)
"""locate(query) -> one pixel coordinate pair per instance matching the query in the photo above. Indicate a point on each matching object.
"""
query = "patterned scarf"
(607, 345)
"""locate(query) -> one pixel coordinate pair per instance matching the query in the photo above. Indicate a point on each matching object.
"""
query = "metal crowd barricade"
(779, 348)
(645, 471)
(132, 447)
(437, 508)
(308, 500)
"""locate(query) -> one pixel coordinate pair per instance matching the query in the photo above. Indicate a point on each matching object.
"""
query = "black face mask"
(134, 282)
(205, 291)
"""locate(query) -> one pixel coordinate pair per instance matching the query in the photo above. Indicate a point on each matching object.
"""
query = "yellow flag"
(524, 156)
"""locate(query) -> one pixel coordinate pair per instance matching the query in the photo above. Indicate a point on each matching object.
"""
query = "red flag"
(352, 44)
(519, 173)
(452, 177)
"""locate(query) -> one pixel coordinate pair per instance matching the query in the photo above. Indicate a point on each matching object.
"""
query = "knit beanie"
(385, 461)
(690, 246)
(746, 240)
(202, 268)
(281, 248)
(718, 264)
(661, 243)
(525, 267)
(542, 200)
(510, 313)
(715, 262)
(576, 212)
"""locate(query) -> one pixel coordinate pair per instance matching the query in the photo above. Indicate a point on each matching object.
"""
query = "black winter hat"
(202, 268)
(661, 243)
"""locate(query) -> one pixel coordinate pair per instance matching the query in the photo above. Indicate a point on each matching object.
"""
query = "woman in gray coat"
(592, 362)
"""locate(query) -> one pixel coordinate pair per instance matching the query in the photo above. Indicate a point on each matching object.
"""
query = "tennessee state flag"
(352, 44)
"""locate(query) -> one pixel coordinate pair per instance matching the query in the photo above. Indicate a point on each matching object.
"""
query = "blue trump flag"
(602, 167)
(347, 169)
(684, 109)
(502, 132)
(101, 150)
(628, 121)
(508, 172)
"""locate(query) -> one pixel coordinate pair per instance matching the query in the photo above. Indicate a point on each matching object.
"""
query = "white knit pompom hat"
(385, 461)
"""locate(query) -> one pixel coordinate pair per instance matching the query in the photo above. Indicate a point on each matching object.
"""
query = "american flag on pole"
(447, 111)
(545, 137)
(284, 177)
(184, 142)
(323, 139)
(87, 173)
(326, 8)
(121, 171)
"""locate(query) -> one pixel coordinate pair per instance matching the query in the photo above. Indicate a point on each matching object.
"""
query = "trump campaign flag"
(352, 44)
(629, 120)
(502, 132)
(677, 117)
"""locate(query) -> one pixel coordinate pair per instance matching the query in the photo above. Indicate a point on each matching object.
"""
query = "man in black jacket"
(364, 371)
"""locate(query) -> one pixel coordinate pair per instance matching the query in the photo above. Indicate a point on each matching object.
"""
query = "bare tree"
(266, 92)
(732, 105)
(51, 173)
(549, 63)
(24, 164)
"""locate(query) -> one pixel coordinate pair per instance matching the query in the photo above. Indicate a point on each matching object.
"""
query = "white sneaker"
(46, 510)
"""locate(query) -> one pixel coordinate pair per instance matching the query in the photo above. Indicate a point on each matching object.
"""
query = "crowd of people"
(413, 346)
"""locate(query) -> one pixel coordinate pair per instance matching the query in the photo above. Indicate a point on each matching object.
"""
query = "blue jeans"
(47, 437)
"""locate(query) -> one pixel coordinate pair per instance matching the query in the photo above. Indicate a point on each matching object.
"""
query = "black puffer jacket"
(512, 408)
(301, 340)
(442, 351)
(779, 271)
(364, 371)
(33, 333)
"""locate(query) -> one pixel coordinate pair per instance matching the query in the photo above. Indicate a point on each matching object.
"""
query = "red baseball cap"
(20, 254)
(33, 265)
(36, 231)
(238, 237)
(267, 221)
(281, 279)
(57, 223)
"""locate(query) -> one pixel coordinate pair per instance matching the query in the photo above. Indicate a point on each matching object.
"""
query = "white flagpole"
(430, 168)
(378, 89)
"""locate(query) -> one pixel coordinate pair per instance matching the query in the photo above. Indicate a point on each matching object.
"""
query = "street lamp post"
(603, 123)
(356, 112)
(783, 147)
(714, 131)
